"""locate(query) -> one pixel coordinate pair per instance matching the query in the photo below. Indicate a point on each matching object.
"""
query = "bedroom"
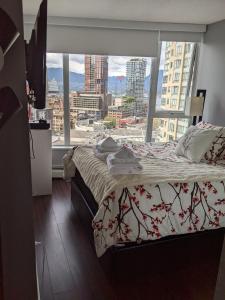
(138, 73)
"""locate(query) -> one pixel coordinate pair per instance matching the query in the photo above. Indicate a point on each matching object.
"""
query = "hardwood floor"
(69, 269)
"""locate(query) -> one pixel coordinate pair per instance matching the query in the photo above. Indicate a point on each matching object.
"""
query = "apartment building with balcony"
(95, 105)
(120, 112)
(174, 88)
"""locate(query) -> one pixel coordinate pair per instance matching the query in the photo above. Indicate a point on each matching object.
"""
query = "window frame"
(66, 99)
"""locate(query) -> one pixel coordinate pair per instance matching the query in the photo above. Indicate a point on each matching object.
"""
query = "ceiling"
(174, 11)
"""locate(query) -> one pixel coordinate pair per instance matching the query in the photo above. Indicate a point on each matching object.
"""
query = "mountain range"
(116, 84)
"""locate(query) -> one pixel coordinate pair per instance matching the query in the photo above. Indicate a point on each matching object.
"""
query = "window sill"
(63, 147)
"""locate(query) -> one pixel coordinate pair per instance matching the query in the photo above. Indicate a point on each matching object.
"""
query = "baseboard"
(57, 173)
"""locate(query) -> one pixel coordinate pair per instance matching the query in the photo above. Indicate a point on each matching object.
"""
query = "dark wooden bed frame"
(186, 248)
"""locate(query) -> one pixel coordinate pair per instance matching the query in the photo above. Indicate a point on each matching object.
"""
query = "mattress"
(171, 197)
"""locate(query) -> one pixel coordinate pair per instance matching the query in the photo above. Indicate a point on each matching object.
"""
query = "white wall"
(211, 73)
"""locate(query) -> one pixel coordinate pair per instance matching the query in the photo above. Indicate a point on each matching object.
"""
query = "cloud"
(117, 64)
(77, 63)
(76, 67)
(54, 60)
(78, 58)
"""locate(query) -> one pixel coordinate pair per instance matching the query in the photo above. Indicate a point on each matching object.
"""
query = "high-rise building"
(89, 73)
(135, 73)
(101, 74)
(53, 87)
(175, 75)
(96, 74)
(174, 88)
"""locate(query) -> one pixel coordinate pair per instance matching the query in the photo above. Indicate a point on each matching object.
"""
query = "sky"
(117, 64)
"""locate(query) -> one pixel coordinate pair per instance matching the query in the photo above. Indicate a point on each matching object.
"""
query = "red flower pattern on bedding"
(149, 212)
(216, 153)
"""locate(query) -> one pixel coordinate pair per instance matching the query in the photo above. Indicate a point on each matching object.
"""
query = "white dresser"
(41, 161)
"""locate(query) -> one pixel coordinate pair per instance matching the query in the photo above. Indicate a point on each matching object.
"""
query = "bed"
(172, 200)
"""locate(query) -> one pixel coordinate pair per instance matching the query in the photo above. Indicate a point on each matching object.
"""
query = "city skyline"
(116, 64)
(120, 111)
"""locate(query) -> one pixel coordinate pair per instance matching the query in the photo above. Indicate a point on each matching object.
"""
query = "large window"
(108, 96)
(94, 96)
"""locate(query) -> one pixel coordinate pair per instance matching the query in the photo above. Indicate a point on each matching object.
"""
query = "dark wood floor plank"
(58, 264)
(220, 284)
(60, 202)
(83, 261)
(48, 235)
(73, 272)
(44, 281)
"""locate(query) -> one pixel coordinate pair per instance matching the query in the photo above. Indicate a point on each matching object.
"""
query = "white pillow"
(195, 142)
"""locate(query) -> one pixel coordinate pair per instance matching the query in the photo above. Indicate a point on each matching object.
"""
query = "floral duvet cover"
(152, 211)
(149, 212)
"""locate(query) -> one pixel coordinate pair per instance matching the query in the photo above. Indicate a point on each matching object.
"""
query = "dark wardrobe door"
(1, 281)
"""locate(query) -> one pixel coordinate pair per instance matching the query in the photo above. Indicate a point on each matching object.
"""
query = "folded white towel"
(123, 162)
(123, 169)
(111, 150)
(101, 155)
(107, 145)
(124, 156)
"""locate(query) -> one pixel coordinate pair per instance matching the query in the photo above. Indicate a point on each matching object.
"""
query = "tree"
(111, 120)
(128, 99)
